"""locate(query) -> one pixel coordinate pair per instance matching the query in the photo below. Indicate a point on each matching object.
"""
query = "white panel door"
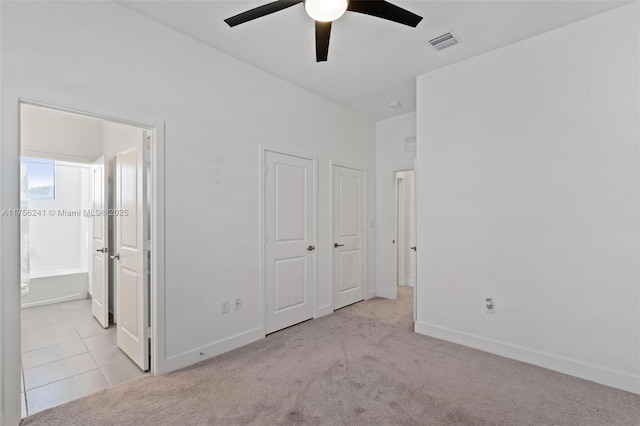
(348, 237)
(99, 252)
(289, 247)
(131, 278)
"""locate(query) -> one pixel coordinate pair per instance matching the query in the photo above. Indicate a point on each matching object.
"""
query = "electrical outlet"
(490, 307)
(225, 306)
(238, 303)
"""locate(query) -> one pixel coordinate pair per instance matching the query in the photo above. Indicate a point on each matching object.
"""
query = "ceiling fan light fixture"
(325, 10)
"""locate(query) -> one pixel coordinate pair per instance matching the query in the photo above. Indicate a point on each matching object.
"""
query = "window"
(39, 178)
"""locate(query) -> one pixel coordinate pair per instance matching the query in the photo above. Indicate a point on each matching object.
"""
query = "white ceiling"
(371, 61)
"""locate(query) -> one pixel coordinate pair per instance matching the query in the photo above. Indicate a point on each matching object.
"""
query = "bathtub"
(55, 286)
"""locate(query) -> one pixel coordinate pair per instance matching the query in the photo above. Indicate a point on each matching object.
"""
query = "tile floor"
(66, 354)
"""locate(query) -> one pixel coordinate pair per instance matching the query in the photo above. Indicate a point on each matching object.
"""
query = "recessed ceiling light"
(395, 104)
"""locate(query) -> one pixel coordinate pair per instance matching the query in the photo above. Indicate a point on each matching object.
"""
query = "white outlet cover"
(489, 301)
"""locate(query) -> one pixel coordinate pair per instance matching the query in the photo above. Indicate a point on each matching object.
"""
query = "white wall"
(54, 134)
(528, 193)
(101, 58)
(117, 138)
(57, 241)
(391, 157)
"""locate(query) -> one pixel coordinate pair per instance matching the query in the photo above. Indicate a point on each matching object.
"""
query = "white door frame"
(415, 231)
(396, 226)
(400, 228)
(365, 226)
(262, 302)
(10, 334)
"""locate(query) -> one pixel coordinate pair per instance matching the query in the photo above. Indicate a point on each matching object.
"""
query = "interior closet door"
(348, 235)
(290, 234)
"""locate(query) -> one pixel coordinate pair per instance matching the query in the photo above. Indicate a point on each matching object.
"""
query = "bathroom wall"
(59, 239)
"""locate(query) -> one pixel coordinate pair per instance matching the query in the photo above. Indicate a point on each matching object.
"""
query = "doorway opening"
(85, 249)
(405, 236)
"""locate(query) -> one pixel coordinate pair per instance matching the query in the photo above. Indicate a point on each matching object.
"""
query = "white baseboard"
(410, 283)
(371, 293)
(193, 356)
(77, 296)
(613, 378)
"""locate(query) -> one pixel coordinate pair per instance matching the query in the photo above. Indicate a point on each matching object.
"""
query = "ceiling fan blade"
(260, 11)
(385, 10)
(323, 33)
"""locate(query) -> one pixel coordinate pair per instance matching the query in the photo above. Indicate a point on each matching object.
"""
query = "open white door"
(348, 238)
(131, 273)
(289, 244)
(99, 252)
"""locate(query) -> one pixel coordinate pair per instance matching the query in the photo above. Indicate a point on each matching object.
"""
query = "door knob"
(102, 250)
(414, 248)
(117, 256)
(338, 245)
(311, 248)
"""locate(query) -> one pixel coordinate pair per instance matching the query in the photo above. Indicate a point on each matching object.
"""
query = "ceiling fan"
(324, 12)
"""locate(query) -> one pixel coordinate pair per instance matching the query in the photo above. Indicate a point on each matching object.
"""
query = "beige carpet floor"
(360, 366)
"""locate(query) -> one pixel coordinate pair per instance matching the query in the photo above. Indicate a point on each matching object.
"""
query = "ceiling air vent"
(410, 144)
(445, 40)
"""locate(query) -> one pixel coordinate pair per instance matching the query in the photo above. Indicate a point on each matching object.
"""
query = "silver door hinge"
(147, 333)
(266, 170)
(146, 155)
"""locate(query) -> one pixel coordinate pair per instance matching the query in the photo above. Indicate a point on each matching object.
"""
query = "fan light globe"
(325, 10)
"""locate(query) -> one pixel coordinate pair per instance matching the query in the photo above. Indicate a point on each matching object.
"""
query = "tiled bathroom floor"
(66, 354)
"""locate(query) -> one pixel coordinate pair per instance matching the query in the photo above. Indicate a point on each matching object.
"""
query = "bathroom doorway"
(405, 238)
(67, 352)
(405, 225)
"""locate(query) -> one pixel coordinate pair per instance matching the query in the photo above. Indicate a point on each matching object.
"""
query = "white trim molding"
(613, 378)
